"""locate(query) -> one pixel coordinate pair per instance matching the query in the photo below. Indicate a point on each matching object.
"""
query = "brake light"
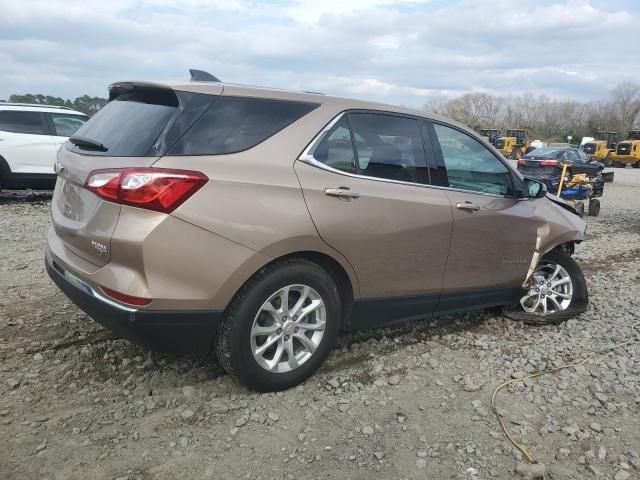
(549, 163)
(121, 297)
(521, 162)
(159, 189)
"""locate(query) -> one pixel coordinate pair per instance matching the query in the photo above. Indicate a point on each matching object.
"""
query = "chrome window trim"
(308, 158)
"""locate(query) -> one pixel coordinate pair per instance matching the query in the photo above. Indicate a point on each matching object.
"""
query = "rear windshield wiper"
(87, 143)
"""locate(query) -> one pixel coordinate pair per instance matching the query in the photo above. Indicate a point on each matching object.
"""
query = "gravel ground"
(408, 402)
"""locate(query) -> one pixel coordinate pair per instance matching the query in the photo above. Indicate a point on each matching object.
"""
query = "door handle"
(343, 193)
(472, 207)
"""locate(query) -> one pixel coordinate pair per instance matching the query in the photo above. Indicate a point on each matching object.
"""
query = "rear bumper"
(183, 331)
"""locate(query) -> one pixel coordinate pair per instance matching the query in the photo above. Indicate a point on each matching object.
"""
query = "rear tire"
(258, 306)
(579, 295)
(580, 208)
(594, 207)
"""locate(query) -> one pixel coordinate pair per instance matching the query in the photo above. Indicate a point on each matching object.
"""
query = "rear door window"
(66, 125)
(389, 146)
(22, 122)
(336, 148)
(470, 165)
(234, 124)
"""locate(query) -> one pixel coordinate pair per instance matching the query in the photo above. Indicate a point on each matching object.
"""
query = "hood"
(562, 203)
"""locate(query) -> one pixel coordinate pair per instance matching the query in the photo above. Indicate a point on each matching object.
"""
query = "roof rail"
(202, 76)
(11, 104)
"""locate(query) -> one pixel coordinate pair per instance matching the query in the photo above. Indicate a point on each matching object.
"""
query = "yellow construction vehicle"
(603, 143)
(490, 134)
(514, 144)
(628, 151)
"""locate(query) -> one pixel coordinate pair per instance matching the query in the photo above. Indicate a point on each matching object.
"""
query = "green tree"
(84, 104)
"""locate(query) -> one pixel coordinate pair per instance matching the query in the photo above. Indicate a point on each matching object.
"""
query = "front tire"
(556, 292)
(281, 326)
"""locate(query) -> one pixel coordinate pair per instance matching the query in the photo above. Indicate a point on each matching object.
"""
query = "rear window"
(234, 124)
(158, 122)
(545, 152)
(22, 122)
(129, 125)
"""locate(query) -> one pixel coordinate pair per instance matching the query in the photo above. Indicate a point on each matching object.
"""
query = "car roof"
(232, 89)
(34, 107)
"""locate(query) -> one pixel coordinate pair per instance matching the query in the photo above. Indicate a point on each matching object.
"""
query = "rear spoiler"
(118, 88)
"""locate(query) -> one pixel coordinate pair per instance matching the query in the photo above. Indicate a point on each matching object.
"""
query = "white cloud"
(387, 50)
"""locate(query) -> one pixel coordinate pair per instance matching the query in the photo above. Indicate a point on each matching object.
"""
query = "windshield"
(634, 135)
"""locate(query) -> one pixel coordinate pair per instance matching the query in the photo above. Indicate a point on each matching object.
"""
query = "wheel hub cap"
(288, 328)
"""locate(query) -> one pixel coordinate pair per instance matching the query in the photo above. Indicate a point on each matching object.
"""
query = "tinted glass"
(389, 147)
(22, 122)
(66, 125)
(129, 125)
(234, 124)
(583, 156)
(470, 166)
(336, 149)
(546, 152)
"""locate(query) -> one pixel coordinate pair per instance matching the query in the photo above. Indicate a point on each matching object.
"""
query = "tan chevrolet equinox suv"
(259, 223)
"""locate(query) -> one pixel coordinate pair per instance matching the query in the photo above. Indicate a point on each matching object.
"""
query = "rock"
(421, 463)
(186, 414)
(234, 431)
(274, 417)
(531, 470)
(4, 413)
(42, 446)
(519, 374)
(471, 384)
(378, 455)
(622, 475)
(241, 421)
(595, 426)
(12, 383)
(38, 357)
(367, 430)
(394, 380)
(188, 391)
(334, 383)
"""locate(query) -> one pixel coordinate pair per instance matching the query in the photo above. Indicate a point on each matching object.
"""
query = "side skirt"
(384, 312)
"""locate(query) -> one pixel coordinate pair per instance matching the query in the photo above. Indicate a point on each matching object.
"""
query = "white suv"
(30, 136)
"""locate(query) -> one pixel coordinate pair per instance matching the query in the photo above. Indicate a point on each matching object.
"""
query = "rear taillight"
(521, 162)
(124, 298)
(549, 163)
(159, 189)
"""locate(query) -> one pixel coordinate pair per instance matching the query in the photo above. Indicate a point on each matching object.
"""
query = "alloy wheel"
(550, 290)
(288, 328)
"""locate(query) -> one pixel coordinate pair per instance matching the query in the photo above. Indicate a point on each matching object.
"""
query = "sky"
(404, 52)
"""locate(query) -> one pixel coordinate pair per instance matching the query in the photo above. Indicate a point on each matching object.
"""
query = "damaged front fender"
(557, 224)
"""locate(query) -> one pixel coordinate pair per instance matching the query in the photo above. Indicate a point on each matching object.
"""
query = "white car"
(30, 136)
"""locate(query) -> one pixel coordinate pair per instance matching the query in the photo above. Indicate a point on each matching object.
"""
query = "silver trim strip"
(85, 287)
(308, 158)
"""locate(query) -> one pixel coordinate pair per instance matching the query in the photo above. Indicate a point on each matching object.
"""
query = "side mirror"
(534, 188)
